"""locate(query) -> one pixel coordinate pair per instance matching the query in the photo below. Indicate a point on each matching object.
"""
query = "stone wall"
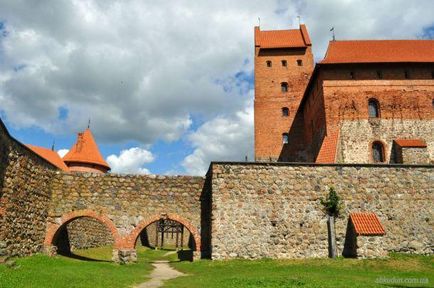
(24, 197)
(274, 210)
(356, 138)
(87, 232)
(413, 155)
(127, 201)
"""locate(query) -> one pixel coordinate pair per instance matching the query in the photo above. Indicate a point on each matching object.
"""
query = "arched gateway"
(124, 247)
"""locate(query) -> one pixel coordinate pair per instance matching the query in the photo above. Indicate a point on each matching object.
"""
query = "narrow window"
(285, 138)
(432, 74)
(300, 62)
(406, 74)
(380, 74)
(351, 75)
(377, 152)
(269, 63)
(284, 86)
(284, 64)
(285, 112)
(373, 108)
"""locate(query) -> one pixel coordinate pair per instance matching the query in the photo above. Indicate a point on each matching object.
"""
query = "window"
(285, 138)
(377, 152)
(285, 112)
(269, 63)
(284, 64)
(373, 108)
(380, 74)
(300, 62)
(432, 74)
(284, 86)
(351, 75)
(406, 74)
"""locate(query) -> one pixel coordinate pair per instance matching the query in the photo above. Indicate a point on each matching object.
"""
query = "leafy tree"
(332, 205)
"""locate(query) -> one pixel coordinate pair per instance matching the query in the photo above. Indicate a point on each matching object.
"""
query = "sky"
(167, 85)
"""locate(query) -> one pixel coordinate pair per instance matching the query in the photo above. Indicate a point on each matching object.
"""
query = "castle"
(367, 101)
(360, 121)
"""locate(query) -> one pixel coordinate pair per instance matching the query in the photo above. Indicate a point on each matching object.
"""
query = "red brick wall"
(269, 99)
(335, 99)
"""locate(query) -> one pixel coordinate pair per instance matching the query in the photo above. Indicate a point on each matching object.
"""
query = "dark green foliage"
(332, 203)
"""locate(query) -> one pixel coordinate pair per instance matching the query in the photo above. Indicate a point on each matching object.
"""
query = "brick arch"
(132, 237)
(52, 229)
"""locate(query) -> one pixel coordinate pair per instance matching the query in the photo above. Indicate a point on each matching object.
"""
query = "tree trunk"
(332, 236)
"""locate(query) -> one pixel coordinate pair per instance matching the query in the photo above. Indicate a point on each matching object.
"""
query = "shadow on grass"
(82, 258)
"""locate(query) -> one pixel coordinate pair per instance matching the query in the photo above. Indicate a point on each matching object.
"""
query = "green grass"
(59, 271)
(304, 273)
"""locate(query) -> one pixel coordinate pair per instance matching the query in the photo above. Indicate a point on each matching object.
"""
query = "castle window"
(300, 62)
(285, 112)
(284, 64)
(377, 152)
(285, 138)
(284, 86)
(351, 75)
(373, 108)
(380, 74)
(406, 74)
(268, 63)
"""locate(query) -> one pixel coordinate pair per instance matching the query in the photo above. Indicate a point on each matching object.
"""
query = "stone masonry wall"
(356, 138)
(127, 200)
(274, 210)
(87, 232)
(413, 155)
(24, 197)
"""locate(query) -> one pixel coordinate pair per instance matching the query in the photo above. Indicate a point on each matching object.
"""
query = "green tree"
(332, 205)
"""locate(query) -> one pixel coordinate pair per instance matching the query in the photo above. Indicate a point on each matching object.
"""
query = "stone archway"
(53, 229)
(131, 240)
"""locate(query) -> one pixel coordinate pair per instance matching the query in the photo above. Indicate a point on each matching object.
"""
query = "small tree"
(332, 207)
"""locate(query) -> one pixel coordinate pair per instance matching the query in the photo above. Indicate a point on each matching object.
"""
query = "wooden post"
(177, 236)
(182, 237)
(156, 235)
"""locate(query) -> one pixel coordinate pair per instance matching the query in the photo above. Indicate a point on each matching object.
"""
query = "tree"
(332, 206)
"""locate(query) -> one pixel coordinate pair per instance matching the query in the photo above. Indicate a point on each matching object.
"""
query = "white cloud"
(130, 161)
(143, 70)
(62, 152)
(221, 139)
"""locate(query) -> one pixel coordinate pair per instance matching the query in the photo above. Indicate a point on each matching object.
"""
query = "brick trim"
(52, 229)
(130, 241)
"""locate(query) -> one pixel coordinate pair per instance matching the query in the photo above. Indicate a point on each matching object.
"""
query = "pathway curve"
(162, 272)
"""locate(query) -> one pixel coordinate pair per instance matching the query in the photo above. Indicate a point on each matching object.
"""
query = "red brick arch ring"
(132, 238)
(52, 229)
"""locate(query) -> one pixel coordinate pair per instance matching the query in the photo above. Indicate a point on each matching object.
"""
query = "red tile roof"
(379, 51)
(327, 153)
(414, 143)
(49, 155)
(293, 38)
(86, 151)
(366, 223)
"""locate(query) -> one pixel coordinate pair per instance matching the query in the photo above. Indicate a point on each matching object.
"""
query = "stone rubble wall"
(85, 232)
(127, 200)
(411, 155)
(274, 210)
(24, 197)
(357, 136)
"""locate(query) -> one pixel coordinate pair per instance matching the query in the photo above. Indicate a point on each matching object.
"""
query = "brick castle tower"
(283, 66)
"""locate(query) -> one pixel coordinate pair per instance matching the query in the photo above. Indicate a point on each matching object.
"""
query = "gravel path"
(161, 272)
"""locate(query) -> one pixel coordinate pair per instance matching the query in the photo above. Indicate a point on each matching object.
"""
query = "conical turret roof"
(85, 150)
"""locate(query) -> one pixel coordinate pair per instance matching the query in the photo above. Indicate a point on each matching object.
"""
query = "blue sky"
(168, 86)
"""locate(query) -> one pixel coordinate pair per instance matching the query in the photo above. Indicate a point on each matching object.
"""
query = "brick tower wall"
(270, 124)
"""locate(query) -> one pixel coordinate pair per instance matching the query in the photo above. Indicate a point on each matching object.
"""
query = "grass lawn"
(305, 273)
(59, 271)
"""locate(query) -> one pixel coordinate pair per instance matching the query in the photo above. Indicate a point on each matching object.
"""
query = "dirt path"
(161, 272)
